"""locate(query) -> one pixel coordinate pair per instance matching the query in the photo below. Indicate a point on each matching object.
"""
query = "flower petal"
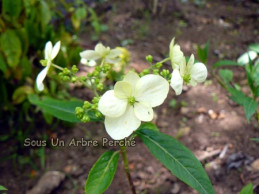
(40, 77)
(176, 56)
(89, 55)
(151, 89)
(143, 111)
(176, 82)
(114, 53)
(55, 50)
(48, 50)
(123, 90)
(101, 49)
(132, 78)
(199, 72)
(190, 62)
(111, 106)
(244, 58)
(123, 126)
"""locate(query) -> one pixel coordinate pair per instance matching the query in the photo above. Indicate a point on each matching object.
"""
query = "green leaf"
(254, 47)
(2, 188)
(226, 63)
(226, 75)
(11, 46)
(45, 14)
(203, 53)
(61, 109)
(149, 126)
(248, 189)
(177, 158)
(3, 65)
(12, 7)
(249, 104)
(102, 173)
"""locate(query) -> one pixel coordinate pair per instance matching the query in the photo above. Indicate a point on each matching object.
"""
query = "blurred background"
(210, 119)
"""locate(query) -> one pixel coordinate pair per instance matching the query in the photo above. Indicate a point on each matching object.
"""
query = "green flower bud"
(165, 73)
(65, 78)
(95, 73)
(79, 112)
(74, 79)
(66, 71)
(158, 65)
(95, 100)
(85, 119)
(100, 87)
(97, 81)
(74, 69)
(98, 114)
(155, 71)
(82, 79)
(86, 105)
(43, 62)
(149, 58)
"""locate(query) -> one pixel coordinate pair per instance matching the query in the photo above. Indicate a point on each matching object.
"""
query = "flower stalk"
(126, 167)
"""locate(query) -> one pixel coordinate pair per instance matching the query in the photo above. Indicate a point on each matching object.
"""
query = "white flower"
(244, 58)
(189, 73)
(131, 102)
(101, 52)
(49, 54)
(176, 55)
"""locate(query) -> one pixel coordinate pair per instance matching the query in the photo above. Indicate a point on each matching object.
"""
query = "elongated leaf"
(226, 75)
(249, 104)
(203, 52)
(226, 63)
(2, 188)
(150, 126)
(254, 47)
(177, 158)
(102, 173)
(12, 7)
(64, 110)
(248, 189)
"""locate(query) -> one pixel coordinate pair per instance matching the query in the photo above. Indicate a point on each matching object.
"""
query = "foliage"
(248, 189)
(250, 63)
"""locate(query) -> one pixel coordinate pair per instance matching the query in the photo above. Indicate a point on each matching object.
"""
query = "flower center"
(186, 78)
(131, 100)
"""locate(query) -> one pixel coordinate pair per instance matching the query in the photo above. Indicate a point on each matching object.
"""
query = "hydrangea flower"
(131, 102)
(101, 52)
(189, 73)
(50, 53)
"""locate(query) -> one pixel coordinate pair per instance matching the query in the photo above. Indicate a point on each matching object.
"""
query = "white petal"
(190, 62)
(101, 49)
(55, 50)
(48, 50)
(152, 89)
(112, 60)
(176, 82)
(143, 111)
(244, 58)
(199, 72)
(40, 77)
(176, 55)
(89, 55)
(123, 126)
(114, 53)
(123, 90)
(111, 106)
(183, 66)
(132, 78)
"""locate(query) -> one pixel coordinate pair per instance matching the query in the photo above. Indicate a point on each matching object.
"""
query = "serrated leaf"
(248, 189)
(177, 158)
(61, 109)
(11, 47)
(226, 63)
(226, 75)
(102, 173)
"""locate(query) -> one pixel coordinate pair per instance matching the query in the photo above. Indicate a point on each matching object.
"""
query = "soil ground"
(204, 120)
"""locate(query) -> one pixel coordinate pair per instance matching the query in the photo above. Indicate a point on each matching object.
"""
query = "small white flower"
(189, 73)
(50, 53)
(131, 102)
(244, 58)
(176, 55)
(101, 52)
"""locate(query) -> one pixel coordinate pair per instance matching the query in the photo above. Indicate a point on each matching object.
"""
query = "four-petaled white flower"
(50, 53)
(131, 102)
(103, 53)
(189, 73)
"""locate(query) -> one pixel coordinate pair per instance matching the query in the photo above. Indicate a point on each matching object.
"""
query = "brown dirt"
(230, 26)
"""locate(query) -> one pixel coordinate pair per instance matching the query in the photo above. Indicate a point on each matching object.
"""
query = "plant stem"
(126, 167)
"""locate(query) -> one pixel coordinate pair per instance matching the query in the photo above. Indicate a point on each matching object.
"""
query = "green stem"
(57, 66)
(126, 167)
(165, 60)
